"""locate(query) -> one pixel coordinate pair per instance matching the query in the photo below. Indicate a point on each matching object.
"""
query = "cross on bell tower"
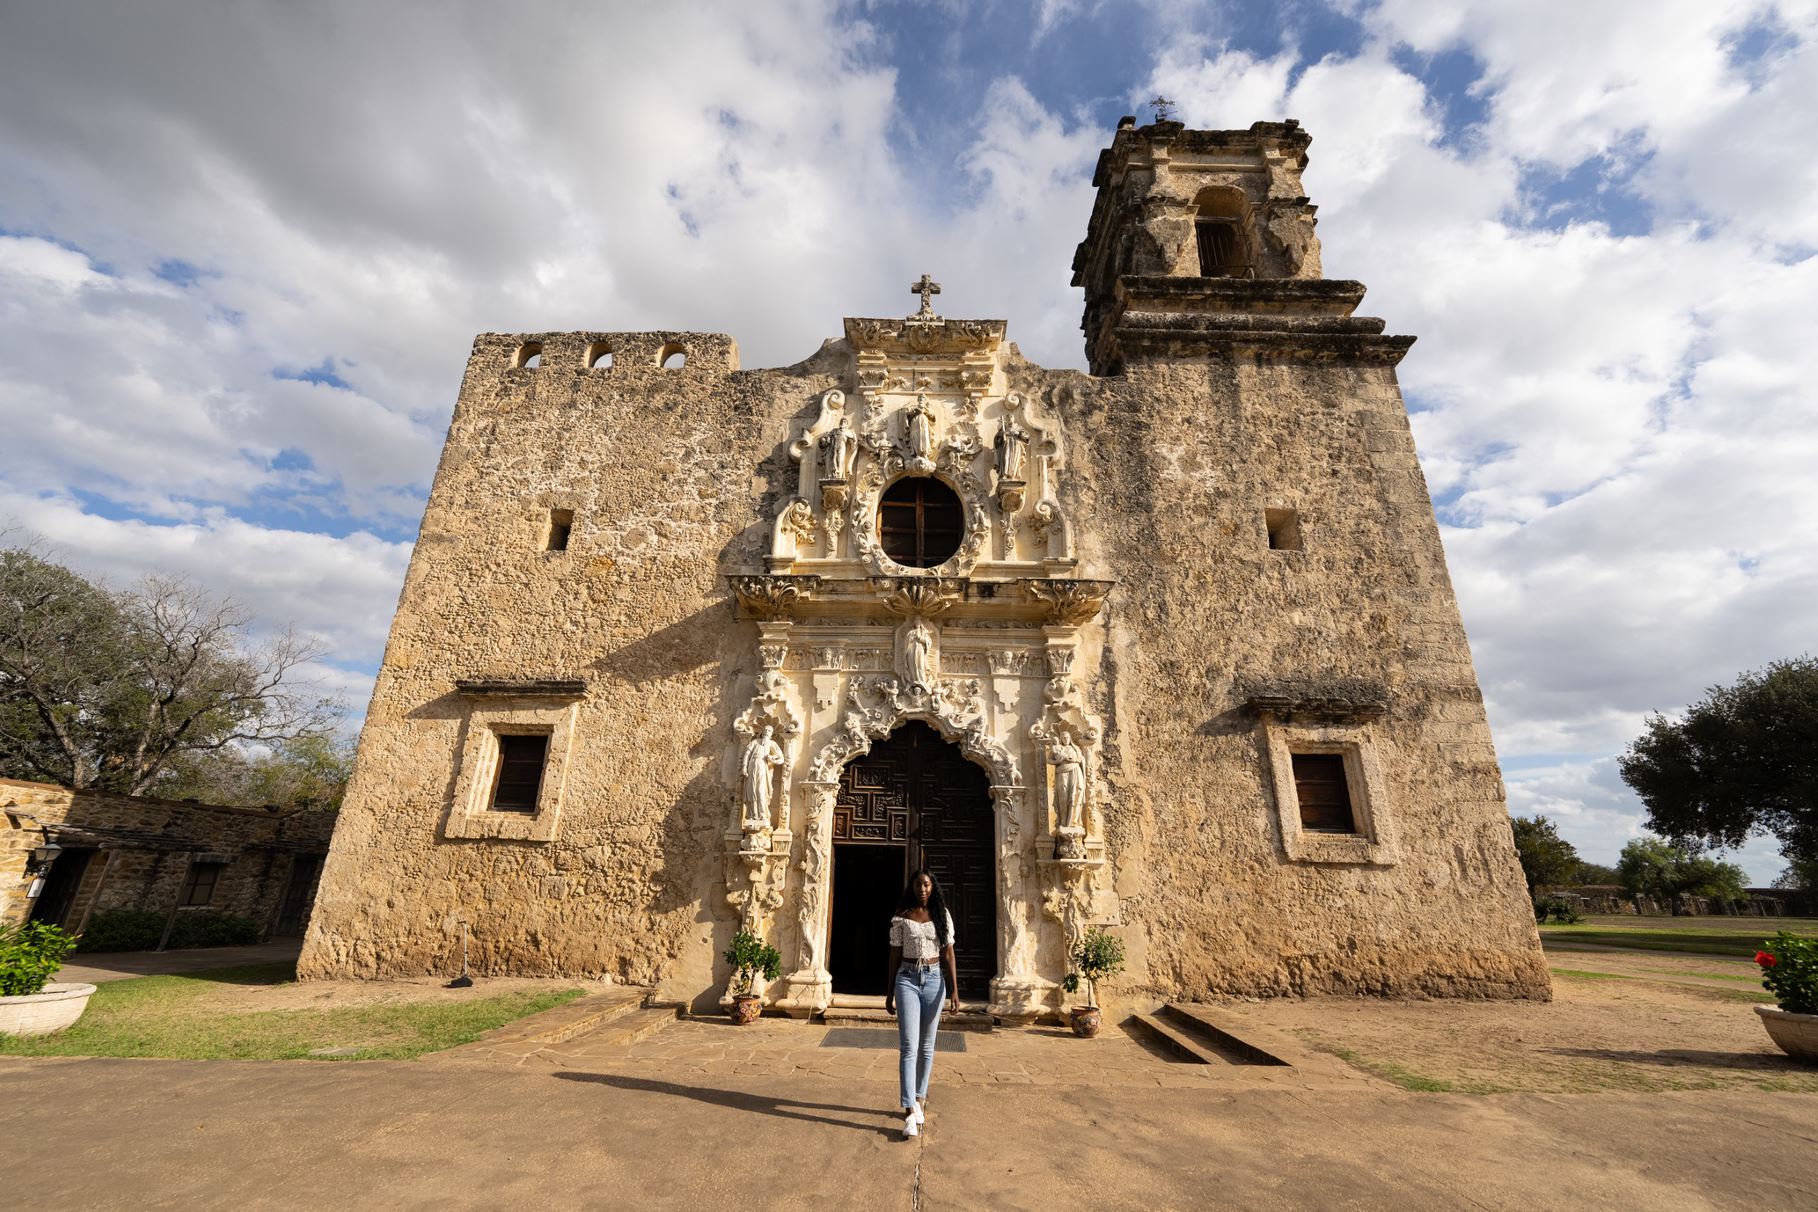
(926, 288)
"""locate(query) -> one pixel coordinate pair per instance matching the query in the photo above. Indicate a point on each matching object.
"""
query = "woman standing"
(922, 976)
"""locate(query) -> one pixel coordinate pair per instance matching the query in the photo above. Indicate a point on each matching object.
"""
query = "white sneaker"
(921, 1117)
(911, 1127)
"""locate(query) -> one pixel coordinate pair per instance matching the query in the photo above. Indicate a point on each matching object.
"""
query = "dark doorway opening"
(59, 896)
(918, 798)
(299, 896)
(866, 882)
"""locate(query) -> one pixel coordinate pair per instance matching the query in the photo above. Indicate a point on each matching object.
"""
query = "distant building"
(65, 854)
(1168, 646)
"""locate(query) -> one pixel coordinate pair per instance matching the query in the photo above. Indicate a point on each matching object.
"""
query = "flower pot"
(1797, 1034)
(57, 1007)
(746, 1007)
(1086, 1021)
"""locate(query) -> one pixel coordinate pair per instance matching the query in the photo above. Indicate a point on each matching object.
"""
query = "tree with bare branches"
(128, 691)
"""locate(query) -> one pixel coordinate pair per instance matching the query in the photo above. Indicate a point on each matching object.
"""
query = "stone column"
(810, 987)
(1017, 992)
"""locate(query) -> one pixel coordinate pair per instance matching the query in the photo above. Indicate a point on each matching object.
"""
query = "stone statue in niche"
(921, 434)
(838, 447)
(1069, 783)
(1012, 451)
(763, 756)
(918, 653)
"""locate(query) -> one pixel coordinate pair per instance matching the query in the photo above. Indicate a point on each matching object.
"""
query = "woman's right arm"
(896, 961)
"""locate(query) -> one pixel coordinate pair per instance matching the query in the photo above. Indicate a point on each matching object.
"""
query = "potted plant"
(750, 955)
(1789, 969)
(30, 1002)
(1098, 956)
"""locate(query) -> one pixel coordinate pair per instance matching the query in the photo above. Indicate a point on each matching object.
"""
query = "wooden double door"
(914, 801)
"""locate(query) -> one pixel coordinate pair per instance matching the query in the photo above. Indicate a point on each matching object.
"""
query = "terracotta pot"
(746, 1007)
(1797, 1034)
(1086, 1021)
(57, 1007)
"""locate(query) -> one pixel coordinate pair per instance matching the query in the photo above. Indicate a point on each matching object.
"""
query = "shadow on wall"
(682, 646)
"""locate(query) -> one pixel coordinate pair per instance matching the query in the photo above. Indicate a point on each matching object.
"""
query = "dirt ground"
(1619, 1021)
(336, 995)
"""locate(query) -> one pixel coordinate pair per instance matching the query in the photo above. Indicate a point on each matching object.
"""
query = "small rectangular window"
(1323, 792)
(561, 524)
(1284, 529)
(520, 775)
(199, 885)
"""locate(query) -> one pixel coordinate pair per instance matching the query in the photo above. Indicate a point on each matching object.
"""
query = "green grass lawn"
(180, 1017)
(1738, 936)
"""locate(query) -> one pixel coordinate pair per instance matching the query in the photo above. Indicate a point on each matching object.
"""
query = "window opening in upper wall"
(672, 357)
(1284, 529)
(920, 522)
(520, 775)
(1221, 225)
(529, 356)
(599, 356)
(561, 524)
(199, 885)
(1324, 793)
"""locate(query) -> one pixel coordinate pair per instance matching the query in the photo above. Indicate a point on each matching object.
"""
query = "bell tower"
(1201, 243)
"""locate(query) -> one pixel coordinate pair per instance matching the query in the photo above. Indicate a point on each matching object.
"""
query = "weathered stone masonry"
(1178, 581)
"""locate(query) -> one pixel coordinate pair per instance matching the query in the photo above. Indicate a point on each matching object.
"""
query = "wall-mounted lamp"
(42, 857)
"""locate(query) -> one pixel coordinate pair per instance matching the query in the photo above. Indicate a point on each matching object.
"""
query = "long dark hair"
(937, 904)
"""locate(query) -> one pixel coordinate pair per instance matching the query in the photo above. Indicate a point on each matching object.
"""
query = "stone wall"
(144, 846)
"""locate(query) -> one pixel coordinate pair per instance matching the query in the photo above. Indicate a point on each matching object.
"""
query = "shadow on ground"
(886, 1123)
(1760, 1062)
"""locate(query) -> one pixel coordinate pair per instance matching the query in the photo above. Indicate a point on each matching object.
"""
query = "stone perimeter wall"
(146, 844)
(673, 477)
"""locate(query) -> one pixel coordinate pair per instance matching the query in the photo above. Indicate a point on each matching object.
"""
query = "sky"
(244, 250)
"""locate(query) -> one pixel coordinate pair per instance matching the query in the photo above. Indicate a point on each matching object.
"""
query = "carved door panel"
(916, 788)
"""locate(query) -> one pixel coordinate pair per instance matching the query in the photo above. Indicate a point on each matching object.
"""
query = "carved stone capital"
(1070, 602)
(771, 596)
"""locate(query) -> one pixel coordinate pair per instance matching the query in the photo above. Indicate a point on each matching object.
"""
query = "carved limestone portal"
(992, 643)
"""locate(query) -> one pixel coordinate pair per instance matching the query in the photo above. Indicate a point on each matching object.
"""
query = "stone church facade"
(1168, 647)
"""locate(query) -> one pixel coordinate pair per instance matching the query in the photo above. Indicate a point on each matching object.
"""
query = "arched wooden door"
(913, 801)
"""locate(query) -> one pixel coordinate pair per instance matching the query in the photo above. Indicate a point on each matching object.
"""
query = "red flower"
(1765, 959)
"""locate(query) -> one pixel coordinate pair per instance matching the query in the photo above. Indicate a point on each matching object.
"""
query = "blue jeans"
(919, 994)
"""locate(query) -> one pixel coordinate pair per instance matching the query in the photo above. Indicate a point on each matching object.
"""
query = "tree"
(1547, 860)
(119, 691)
(308, 771)
(1743, 761)
(1653, 867)
(1596, 873)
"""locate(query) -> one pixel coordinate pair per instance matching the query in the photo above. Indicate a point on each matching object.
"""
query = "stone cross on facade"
(926, 288)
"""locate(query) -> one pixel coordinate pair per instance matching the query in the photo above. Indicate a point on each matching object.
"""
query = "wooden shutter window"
(199, 888)
(1324, 795)
(920, 522)
(520, 777)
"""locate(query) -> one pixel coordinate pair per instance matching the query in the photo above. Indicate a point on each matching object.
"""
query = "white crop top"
(918, 939)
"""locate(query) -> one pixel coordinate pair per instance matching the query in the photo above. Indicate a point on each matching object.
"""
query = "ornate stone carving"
(772, 597)
(798, 523)
(927, 597)
(758, 772)
(1007, 661)
(874, 708)
(921, 664)
(919, 430)
(1070, 602)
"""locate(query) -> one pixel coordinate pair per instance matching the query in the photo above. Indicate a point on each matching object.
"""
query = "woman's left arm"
(948, 964)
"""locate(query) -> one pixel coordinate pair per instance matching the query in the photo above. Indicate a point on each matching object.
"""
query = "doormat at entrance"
(884, 1037)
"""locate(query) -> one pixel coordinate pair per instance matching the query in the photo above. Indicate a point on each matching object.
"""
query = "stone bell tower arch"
(993, 643)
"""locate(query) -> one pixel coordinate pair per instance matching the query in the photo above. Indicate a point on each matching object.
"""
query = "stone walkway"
(120, 965)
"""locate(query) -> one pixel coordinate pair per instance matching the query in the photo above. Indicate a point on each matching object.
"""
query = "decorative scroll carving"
(1070, 602)
(876, 705)
(798, 524)
(924, 336)
(772, 597)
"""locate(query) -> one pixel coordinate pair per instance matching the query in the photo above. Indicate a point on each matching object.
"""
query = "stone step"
(1204, 1023)
(1178, 1041)
(627, 1029)
(864, 1016)
(562, 1023)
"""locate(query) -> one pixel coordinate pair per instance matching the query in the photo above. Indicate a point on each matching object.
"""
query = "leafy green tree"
(1596, 873)
(1654, 867)
(308, 771)
(1547, 860)
(1743, 761)
(119, 691)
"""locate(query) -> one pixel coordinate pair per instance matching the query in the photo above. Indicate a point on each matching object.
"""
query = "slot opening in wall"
(599, 356)
(529, 356)
(561, 525)
(1284, 529)
(672, 356)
